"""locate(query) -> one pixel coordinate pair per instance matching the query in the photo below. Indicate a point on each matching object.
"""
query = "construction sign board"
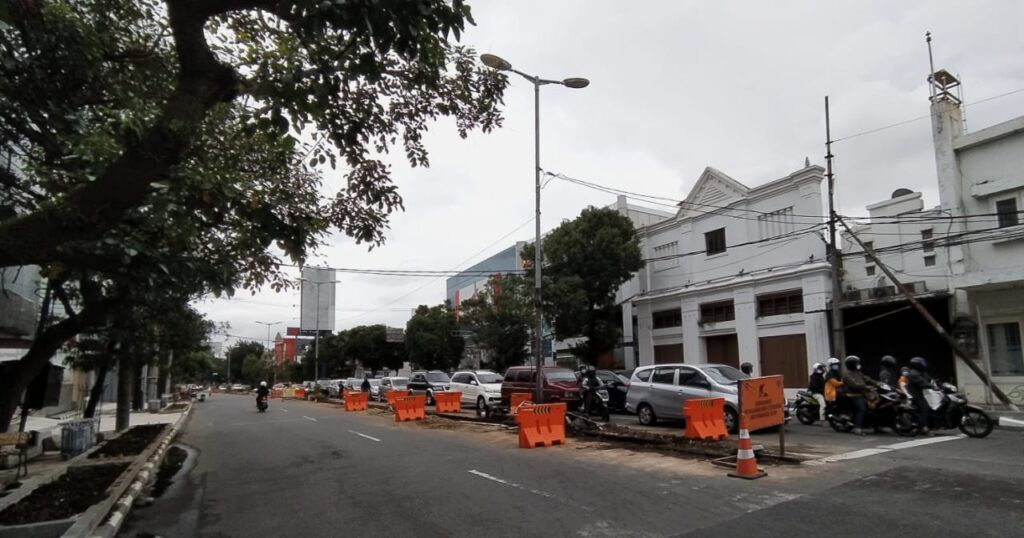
(762, 402)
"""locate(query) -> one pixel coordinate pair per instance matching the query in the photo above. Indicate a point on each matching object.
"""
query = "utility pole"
(838, 341)
(957, 350)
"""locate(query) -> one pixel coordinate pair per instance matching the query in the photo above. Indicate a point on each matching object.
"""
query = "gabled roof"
(714, 188)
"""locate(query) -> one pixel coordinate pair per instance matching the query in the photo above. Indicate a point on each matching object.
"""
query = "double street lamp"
(496, 62)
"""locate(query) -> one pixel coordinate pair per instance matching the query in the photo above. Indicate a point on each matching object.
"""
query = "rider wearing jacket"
(888, 374)
(816, 386)
(917, 381)
(262, 392)
(857, 386)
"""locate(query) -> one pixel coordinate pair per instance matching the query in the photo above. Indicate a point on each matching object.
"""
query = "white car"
(480, 388)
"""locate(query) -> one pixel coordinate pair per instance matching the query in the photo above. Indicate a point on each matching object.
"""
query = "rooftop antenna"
(931, 64)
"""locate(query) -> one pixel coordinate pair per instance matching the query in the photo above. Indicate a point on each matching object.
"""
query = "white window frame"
(1016, 196)
(1000, 320)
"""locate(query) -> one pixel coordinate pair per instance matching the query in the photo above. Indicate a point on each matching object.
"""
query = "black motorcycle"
(884, 411)
(949, 409)
(806, 408)
(261, 404)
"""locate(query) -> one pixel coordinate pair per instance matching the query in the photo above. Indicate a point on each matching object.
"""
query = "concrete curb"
(114, 513)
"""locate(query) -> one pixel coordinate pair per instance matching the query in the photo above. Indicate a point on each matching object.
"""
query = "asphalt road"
(314, 470)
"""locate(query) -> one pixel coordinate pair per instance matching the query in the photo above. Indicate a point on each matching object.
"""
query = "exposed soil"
(176, 407)
(129, 443)
(73, 493)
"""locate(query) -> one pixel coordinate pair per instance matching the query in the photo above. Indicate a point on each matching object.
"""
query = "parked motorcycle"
(885, 412)
(949, 409)
(261, 404)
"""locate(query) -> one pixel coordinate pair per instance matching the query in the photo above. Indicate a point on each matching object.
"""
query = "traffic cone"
(746, 462)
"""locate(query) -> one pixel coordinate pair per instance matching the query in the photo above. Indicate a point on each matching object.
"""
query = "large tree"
(431, 339)
(368, 345)
(500, 318)
(166, 145)
(236, 355)
(103, 101)
(585, 262)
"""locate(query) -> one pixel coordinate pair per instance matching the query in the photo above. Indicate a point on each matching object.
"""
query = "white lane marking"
(865, 452)
(1011, 422)
(530, 490)
(925, 441)
(284, 410)
(364, 435)
(309, 418)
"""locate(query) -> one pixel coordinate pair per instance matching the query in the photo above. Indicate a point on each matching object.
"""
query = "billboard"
(317, 300)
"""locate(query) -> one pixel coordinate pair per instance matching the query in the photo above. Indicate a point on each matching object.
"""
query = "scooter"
(261, 404)
(597, 397)
(886, 412)
(806, 408)
(949, 409)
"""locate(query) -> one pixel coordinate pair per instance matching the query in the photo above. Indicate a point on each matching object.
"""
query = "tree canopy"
(500, 319)
(368, 345)
(585, 262)
(430, 338)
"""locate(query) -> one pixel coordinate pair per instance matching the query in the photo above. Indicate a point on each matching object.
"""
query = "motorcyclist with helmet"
(889, 374)
(589, 384)
(917, 381)
(747, 368)
(816, 386)
(857, 388)
(262, 392)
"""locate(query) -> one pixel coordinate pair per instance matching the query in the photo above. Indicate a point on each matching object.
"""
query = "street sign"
(762, 402)
(394, 334)
(311, 333)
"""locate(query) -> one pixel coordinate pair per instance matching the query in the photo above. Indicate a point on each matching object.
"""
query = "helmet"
(833, 363)
(747, 368)
(919, 364)
(852, 362)
(889, 361)
(818, 367)
(263, 383)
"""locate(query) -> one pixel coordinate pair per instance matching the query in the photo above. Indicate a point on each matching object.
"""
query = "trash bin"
(77, 436)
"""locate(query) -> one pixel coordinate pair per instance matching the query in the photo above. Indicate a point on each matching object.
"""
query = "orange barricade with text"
(705, 419)
(300, 393)
(541, 425)
(517, 399)
(392, 395)
(356, 401)
(448, 402)
(410, 408)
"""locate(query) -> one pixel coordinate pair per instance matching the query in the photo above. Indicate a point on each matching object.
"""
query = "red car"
(558, 384)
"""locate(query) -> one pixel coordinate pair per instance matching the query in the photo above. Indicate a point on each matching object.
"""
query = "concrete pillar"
(745, 306)
(645, 337)
(947, 126)
(628, 350)
(817, 290)
(693, 351)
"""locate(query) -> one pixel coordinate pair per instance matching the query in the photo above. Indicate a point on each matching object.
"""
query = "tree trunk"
(125, 376)
(96, 392)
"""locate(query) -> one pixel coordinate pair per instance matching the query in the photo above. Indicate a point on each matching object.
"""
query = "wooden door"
(724, 349)
(786, 356)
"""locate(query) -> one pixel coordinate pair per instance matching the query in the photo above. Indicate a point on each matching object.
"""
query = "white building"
(981, 176)
(737, 275)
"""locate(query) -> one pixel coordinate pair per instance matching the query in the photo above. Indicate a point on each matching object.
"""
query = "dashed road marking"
(530, 490)
(364, 435)
(283, 410)
(309, 418)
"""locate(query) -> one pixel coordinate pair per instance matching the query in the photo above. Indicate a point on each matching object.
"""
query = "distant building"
(737, 275)
(285, 348)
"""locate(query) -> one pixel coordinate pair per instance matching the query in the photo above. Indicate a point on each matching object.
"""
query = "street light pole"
(269, 324)
(496, 62)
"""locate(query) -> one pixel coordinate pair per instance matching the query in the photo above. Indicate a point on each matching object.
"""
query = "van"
(558, 384)
(658, 392)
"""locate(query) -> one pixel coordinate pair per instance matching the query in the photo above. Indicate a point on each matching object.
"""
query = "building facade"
(737, 275)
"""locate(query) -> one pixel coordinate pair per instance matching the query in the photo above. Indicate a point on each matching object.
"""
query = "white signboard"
(318, 295)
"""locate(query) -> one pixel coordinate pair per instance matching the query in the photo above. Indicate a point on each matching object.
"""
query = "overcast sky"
(675, 86)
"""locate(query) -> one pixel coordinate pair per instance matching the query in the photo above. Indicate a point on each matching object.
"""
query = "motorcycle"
(261, 404)
(885, 411)
(949, 409)
(806, 408)
(594, 400)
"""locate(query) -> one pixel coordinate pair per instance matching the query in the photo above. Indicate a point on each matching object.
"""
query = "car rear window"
(644, 375)
(560, 375)
(438, 377)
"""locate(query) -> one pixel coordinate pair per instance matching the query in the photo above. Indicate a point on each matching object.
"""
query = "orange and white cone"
(746, 462)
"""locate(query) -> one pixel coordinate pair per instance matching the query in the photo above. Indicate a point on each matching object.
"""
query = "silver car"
(387, 384)
(658, 392)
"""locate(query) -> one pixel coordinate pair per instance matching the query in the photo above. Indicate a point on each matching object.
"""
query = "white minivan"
(480, 388)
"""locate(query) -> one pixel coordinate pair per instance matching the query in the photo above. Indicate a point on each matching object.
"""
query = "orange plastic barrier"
(300, 393)
(448, 402)
(410, 408)
(541, 425)
(357, 401)
(705, 419)
(275, 393)
(516, 399)
(392, 395)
